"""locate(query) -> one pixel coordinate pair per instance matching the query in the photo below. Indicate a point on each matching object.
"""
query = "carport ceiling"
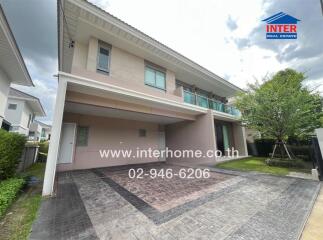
(117, 113)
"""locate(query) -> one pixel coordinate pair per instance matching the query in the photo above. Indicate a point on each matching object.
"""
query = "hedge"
(264, 148)
(43, 147)
(8, 191)
(278, 162)
(11, 147)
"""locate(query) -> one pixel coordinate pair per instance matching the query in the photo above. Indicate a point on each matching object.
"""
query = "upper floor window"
(12, 106)
(103, 61)
(155, 77)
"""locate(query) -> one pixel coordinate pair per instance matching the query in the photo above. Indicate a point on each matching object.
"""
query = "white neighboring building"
(21, 111)
(39, 131)
(12, 66)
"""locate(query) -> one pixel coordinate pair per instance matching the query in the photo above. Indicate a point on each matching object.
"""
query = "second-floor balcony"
(202, 101)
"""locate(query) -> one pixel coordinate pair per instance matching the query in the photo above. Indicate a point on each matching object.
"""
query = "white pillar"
(55, 137)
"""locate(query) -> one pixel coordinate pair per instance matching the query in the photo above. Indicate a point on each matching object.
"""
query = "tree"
(281, 106)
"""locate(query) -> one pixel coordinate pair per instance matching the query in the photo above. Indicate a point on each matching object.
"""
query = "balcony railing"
(205, 102)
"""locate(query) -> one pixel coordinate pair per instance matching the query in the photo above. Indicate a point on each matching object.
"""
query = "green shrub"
(11, 147)
(8, 191)
(43, 147)
(42, 157)
(278, 162)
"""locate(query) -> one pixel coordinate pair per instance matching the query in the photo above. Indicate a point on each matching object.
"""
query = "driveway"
(106, 204)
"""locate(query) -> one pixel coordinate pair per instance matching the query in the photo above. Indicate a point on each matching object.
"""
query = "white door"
(67, 143)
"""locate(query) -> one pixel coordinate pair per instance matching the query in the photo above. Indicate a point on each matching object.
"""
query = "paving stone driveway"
(106, 204)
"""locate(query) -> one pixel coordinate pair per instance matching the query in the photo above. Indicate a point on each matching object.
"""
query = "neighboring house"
(120, 89)
(12, 66)
(21, 111)
(39, 131)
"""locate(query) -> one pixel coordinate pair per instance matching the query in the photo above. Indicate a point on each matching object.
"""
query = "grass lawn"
(258, 164)
(16, 224)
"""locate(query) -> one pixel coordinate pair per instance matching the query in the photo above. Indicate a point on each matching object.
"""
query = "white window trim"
(105, 46)
(12, 104)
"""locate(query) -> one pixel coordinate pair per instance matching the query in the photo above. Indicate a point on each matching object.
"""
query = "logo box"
(281, 26)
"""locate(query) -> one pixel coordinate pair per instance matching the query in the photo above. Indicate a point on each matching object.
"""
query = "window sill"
(103, 72)
(161, 89)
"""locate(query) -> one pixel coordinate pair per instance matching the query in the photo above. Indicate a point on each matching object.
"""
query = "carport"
(89, 131)
(91, 116)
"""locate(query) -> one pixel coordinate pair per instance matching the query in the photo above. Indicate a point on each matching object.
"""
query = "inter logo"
(281, 26)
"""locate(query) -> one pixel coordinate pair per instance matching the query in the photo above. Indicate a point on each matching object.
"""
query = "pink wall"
(110, 133)
(195, 135)
(126, 70)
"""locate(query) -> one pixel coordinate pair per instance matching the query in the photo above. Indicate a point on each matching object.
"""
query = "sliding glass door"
(223, 136)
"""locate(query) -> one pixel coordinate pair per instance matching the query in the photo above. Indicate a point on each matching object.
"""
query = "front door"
(67, 143)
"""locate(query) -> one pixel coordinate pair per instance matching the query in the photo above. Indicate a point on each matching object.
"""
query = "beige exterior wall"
(191, 135)
(126, 70)
(239, 135)
(114, 134)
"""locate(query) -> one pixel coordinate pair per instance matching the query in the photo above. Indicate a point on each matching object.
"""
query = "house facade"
(12, 67)
(21, 111)
(120, 89)
(39, 131)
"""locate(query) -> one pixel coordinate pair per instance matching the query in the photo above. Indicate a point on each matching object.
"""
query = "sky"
(225, 36)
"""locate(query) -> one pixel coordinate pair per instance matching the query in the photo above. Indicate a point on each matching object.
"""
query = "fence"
(29, 156)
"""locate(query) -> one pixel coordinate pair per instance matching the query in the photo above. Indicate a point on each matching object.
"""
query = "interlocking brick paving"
(241, 207)
(63, 217)
(165, 193)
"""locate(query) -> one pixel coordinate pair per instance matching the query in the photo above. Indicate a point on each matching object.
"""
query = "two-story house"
(21, 111)
(39, 131)
(12, 65)
(121, 89)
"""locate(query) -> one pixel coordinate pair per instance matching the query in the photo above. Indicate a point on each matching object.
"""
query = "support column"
(239, 134)
(55, 137)
(192, 135)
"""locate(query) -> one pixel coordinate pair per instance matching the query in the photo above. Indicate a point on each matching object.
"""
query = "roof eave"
(15, 49)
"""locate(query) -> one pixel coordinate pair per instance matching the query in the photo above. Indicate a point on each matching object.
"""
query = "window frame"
(12, 104)
(77, 136)
(107, 47)
(155, 69)
(142, 132)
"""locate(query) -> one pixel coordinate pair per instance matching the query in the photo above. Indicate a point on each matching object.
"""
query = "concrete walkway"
(314, 226)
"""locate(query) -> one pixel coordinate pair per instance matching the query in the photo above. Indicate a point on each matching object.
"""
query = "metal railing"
(205, 102)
